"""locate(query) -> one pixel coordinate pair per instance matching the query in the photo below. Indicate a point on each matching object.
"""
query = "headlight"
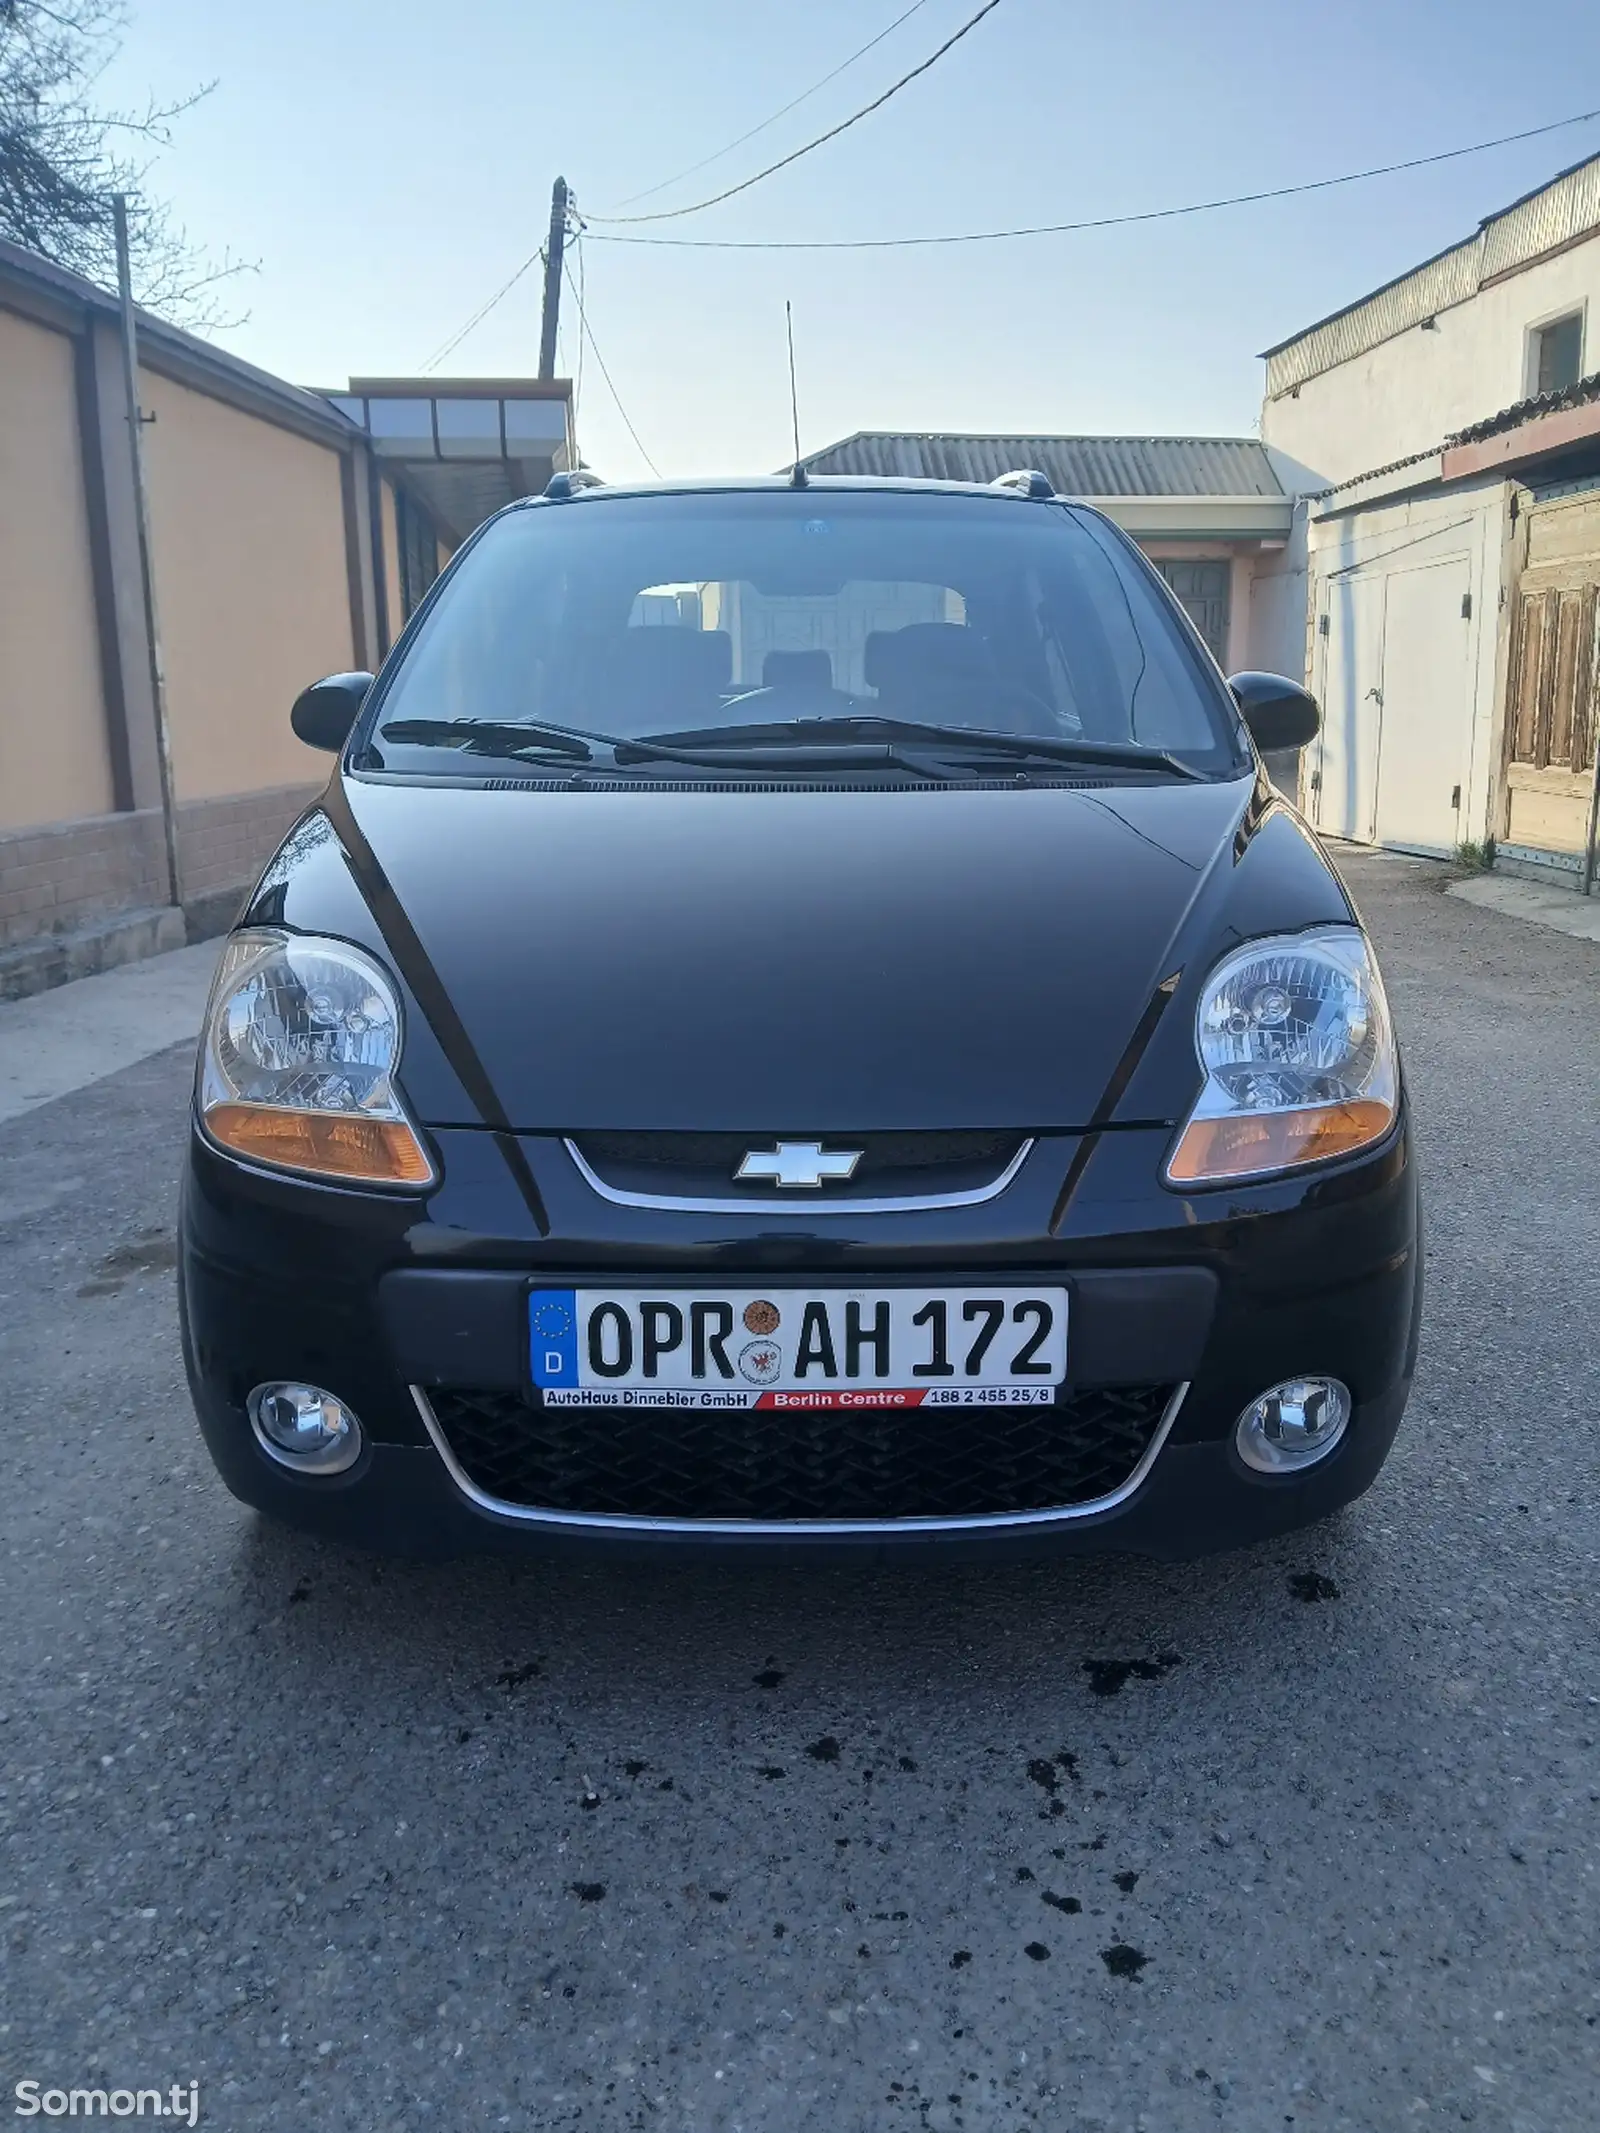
(1298, 1051)
(297, 1062)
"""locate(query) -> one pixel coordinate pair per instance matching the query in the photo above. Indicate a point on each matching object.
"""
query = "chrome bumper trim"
(788, 1529)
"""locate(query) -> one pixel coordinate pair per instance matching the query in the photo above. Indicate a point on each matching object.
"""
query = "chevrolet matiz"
(800, 1021)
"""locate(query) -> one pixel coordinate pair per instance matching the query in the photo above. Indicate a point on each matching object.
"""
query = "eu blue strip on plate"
(553, 1334)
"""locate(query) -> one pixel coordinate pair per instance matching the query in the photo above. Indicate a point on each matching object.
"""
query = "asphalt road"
(1300, 1838)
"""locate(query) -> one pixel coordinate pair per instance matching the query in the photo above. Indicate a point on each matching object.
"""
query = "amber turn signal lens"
(369, 1151)
(1238, 1145)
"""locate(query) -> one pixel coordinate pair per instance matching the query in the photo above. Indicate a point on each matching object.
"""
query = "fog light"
(1293, 1425)
(305, 1428)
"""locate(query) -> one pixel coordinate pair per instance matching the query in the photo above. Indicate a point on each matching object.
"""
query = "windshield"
(736, 617)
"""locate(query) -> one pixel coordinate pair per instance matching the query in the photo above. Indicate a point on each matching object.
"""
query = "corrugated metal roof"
(1433, 287)
(1568, 207)
(1540, 221)
(1355, 481)
(1520, 411)
(1509, 418)
(1077, 466)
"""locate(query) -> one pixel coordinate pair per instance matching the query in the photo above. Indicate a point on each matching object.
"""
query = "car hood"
(778, 961)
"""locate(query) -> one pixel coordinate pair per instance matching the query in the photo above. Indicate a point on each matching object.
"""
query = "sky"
(388, 166)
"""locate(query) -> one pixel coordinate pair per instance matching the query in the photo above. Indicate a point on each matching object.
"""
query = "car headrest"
(678, 662)
(925, 655)
(797, 670)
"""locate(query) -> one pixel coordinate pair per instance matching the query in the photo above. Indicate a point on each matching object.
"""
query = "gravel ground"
(1299, 1838)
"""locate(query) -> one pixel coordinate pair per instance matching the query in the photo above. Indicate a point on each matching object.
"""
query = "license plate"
(798, 1348)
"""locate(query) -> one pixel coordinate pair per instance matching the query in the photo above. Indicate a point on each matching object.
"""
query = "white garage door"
(1427, 718)
(1345, 787)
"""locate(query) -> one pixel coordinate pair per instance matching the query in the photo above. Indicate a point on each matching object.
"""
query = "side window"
(1555, 354)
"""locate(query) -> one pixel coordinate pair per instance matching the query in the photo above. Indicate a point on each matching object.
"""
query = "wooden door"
(1552, 711)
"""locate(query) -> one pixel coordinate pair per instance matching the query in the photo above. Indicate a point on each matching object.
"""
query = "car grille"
(889, 1164)
(747, 1463)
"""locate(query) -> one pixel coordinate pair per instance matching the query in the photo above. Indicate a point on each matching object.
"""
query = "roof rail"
(561, 487)
(1024, 481)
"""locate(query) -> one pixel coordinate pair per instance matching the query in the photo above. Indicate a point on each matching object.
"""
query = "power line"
(594, 347)
(480, 314)
(1098, 222)
(782, 112)
(669, 214)
(1044, 229)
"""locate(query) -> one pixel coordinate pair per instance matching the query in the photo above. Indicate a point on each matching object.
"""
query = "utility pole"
(147, 575)
(552, 278)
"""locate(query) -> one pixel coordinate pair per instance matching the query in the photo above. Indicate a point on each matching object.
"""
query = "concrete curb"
(65, 1039)
(52, 959)
(1536, 902)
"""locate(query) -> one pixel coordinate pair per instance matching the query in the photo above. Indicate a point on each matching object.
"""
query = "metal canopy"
(465, 446)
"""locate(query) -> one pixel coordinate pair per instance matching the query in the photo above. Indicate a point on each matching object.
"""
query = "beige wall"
(53, 756)
(247, 526)
(1409, 393)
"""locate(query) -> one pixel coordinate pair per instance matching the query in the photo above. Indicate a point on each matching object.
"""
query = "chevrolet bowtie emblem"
(799, 1163)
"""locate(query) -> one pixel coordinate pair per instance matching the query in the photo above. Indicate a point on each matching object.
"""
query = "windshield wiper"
(982, 740)
(578, 748)
(490, 736)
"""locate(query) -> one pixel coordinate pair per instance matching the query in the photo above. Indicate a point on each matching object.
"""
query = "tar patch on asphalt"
(1037, 1952)
(514, 1677)
(1311, 1586)
(825, 1750)
(1046, 1771)
(1123, 1961)
(153, 1251)
(1109, 1677)
(1126, 1882)
(589, 1891)
(769, 1677)
(1069, 1904)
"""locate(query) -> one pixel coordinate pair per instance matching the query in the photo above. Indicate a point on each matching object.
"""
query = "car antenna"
(799, 478)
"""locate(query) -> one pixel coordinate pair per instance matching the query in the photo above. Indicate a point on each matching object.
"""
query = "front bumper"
(392, 1303)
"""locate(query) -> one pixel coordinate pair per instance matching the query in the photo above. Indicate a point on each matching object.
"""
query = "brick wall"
(224, 843)
(69, 874)
(73, 874)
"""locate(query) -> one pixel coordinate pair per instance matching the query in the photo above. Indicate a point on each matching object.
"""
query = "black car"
(800, 1019)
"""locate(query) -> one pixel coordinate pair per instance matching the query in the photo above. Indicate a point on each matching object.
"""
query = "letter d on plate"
(553, 1337)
